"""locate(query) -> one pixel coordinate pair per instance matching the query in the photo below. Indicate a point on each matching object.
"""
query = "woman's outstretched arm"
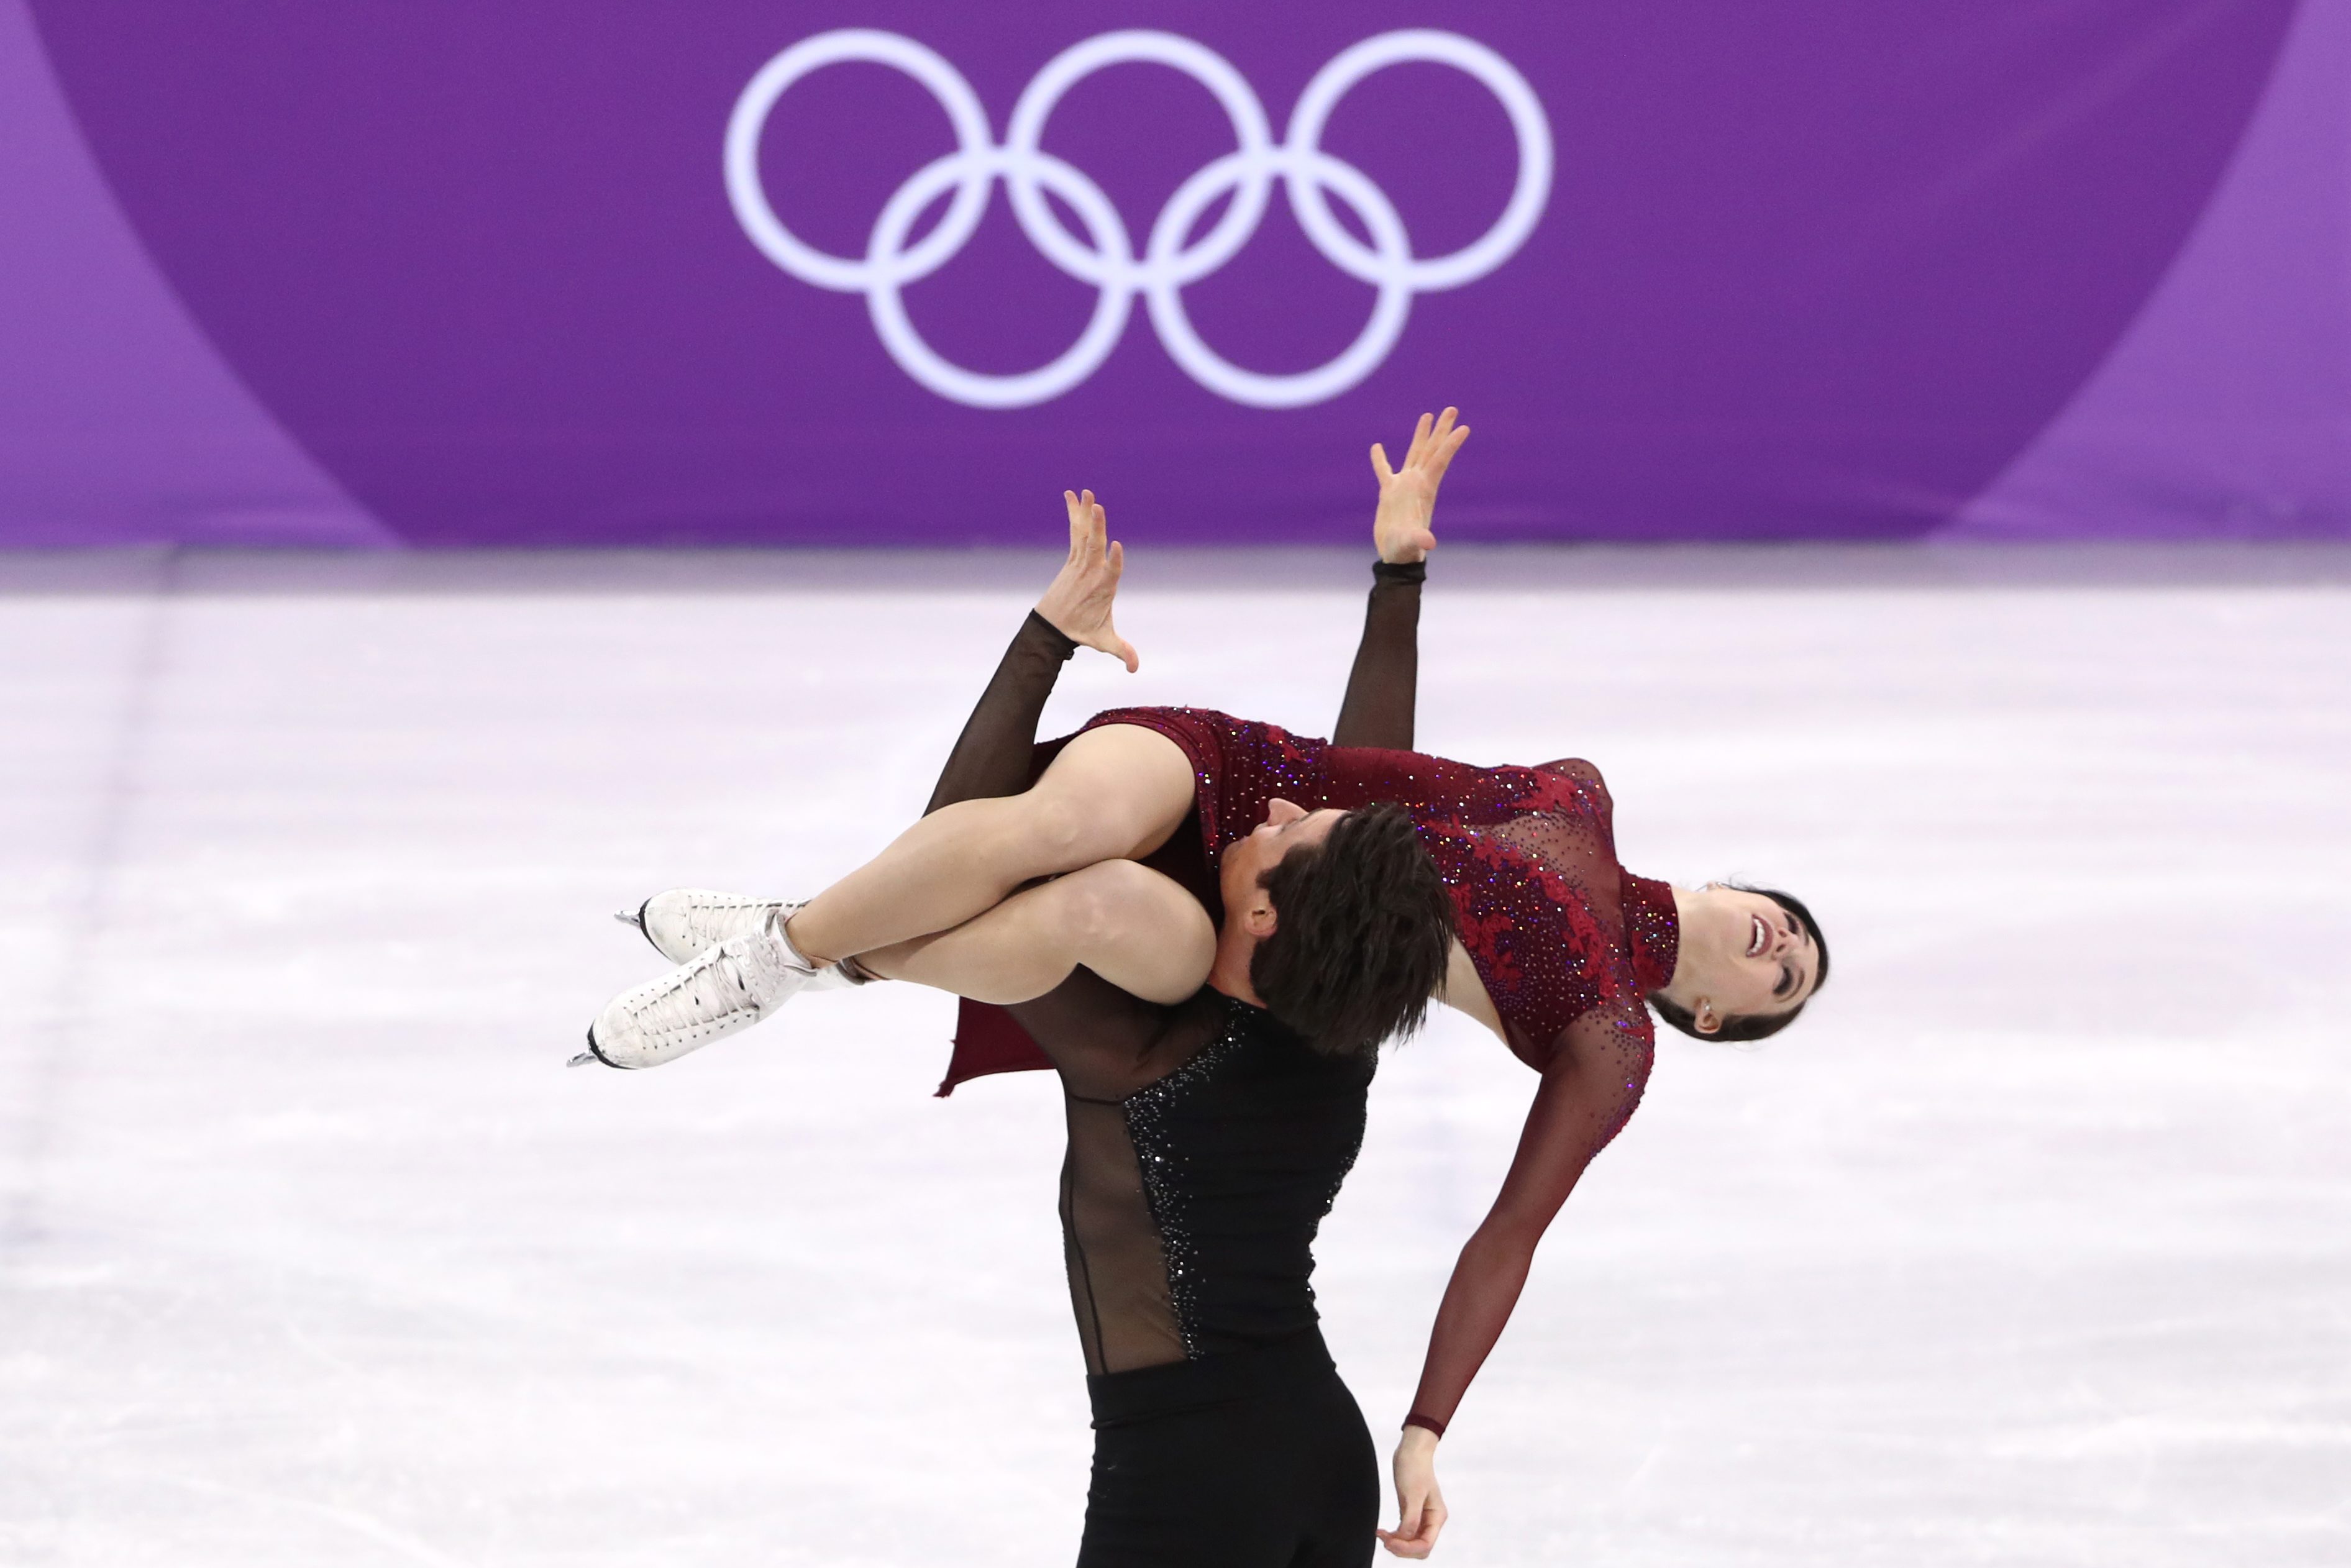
(1599, 1066)
(1378, 709)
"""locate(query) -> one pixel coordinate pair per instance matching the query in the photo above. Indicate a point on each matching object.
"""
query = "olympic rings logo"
(1104, 256)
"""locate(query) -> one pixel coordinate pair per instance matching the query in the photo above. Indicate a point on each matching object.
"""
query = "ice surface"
(2031, 1245)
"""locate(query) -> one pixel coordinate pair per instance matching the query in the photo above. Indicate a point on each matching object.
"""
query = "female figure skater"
(1559, 944)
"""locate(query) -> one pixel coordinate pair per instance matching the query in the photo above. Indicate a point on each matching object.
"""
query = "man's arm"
(1102, 1038)
(991, 757)
(1378, 709)
(1383, 686)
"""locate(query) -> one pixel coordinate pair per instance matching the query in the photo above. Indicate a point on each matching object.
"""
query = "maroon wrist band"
(1426, 1423)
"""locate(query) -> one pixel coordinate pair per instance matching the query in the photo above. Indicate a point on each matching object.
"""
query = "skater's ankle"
(783, 929)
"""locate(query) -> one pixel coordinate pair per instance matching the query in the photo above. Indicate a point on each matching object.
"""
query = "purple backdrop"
(456, 274)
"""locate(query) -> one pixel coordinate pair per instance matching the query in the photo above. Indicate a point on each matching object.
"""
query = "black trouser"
(1255, 1459)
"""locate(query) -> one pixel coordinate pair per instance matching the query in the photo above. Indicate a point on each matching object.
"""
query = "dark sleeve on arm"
(1378, 707)
(1593, 1084)
(991, 756)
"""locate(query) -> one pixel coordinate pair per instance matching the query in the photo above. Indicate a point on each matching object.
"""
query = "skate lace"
(715, 922)
(736, 976)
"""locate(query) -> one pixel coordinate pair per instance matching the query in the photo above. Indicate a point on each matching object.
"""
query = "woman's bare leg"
(1136, 929)
(1113, 793)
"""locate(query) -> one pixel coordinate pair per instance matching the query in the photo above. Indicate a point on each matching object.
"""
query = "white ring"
(1251, 133)
(974, 388)
(1528, 192)
(1105, 256)
(1362, 357)
(747, 194)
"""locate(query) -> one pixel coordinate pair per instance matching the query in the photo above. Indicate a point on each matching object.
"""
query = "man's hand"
(1409, 495)
(1078, 604)
(1420, 1507)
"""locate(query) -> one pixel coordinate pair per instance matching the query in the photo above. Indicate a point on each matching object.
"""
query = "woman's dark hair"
(1755, 1026)
(1363, 927)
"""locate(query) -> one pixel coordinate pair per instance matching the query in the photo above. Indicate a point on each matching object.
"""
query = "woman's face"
(1742, 955)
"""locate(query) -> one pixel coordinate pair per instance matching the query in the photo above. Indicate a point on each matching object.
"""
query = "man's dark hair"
(1755, 1026)
(1363, 929)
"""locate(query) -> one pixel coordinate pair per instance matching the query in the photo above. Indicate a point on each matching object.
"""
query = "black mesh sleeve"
(991, 756)
(1381, 689)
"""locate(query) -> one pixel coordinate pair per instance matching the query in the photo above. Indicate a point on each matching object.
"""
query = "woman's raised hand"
(1420, 1507)
(1408, 494)
(1078, 602)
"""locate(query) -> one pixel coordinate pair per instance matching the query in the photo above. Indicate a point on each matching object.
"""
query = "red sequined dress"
(1565, 940)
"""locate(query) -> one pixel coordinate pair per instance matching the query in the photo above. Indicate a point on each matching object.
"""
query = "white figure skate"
(684, 921)
(723, 989)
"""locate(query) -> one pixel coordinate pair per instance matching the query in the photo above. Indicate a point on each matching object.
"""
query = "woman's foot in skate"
(721, 990)
(684, 921)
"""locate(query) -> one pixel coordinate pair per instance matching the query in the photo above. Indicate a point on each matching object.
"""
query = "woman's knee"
(1105, 903)
(1136, 929)
(1054, 831)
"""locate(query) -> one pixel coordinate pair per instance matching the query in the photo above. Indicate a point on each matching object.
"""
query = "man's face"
(1286, 829)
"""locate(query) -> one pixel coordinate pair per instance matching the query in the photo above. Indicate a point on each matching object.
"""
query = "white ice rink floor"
(2031, 1245)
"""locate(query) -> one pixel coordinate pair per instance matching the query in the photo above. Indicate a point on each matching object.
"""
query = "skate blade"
(582, 1059)
(629, 917)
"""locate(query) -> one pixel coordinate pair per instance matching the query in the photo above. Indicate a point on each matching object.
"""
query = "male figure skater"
(1206, 1138)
